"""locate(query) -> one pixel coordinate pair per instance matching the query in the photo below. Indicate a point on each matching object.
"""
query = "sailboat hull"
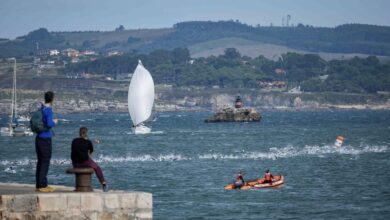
(141, 129)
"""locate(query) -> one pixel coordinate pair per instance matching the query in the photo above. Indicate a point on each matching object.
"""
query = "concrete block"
(90, 215)
(111, 201)
(23, 203)
(144, 201)
(143, 215)
(4, 200)
(52, 202)
(123, 216)
(13, 215)
(91, 202)
(128, 200)
(106, 216)
(74, 201)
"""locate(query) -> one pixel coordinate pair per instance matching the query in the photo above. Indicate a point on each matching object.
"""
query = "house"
(280, 71)
(323, 77)
(295, 90)
(88, 53)
(273, 85)
(54, 52)
(70, 52)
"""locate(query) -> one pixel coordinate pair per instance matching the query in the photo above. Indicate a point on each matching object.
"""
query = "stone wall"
(72, 205)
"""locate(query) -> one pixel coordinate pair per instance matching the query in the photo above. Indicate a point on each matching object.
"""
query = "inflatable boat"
(277, 181)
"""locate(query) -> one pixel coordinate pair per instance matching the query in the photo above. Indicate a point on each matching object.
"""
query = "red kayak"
(277, 181)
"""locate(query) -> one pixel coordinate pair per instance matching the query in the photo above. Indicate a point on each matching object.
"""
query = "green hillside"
(198, 36)
(255, 48)
(231, 70)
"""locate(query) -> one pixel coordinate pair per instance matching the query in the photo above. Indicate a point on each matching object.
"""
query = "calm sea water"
(185, 163)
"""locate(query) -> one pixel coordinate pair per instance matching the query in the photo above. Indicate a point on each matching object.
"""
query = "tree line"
(232, 70)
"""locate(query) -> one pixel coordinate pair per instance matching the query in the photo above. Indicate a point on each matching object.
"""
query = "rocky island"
(236, 114)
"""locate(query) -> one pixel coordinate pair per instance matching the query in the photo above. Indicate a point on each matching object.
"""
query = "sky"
(18, 17)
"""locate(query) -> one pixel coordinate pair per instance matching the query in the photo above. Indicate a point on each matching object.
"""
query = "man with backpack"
(41, 123)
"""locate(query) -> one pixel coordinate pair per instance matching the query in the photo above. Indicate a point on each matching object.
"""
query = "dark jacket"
(47, 117)
(80, 148)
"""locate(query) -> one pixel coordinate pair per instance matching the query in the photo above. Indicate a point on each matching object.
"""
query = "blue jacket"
(47, 118)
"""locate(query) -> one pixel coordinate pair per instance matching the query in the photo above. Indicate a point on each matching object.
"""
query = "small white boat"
(23, 118)
(140, 99)
(6, 131)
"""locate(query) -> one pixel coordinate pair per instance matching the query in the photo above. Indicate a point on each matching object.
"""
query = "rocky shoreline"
(83, 106)
(178, 100)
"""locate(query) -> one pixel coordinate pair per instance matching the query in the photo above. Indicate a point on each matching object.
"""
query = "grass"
(256, 48)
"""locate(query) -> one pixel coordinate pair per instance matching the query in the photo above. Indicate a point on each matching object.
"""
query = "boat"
(277, 182)
(15, 128)
(140, 99)
(23, 118)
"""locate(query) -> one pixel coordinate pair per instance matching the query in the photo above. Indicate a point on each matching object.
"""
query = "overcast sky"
(18, 17)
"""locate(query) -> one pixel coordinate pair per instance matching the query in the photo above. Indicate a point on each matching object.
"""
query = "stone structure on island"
(21, 201)
(236, 114)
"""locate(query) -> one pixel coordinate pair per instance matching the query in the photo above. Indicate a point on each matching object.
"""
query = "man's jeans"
(43, 149)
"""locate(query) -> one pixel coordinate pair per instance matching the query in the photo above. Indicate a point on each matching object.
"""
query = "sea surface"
(185, 163)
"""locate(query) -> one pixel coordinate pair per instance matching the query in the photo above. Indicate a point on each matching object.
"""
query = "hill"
(255, 48)
(348, 38)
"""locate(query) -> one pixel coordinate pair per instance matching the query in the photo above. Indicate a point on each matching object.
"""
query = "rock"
(235, 115)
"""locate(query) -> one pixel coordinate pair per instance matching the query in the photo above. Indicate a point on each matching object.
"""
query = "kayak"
(277, 181)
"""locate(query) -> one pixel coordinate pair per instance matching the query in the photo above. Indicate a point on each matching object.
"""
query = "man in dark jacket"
(43, 145)
(82, 148)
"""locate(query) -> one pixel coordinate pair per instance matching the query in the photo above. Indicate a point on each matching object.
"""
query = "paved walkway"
(16, 188)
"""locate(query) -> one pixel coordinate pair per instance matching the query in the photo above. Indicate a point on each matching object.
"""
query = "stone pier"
(21, 201)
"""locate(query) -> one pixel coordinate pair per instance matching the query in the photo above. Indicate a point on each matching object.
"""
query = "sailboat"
(140, 99)
(14, 127)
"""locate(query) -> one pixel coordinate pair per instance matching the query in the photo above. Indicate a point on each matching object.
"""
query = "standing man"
(43, 145)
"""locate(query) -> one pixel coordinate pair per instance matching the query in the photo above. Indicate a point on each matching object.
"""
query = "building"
(280, 71)
(88, 53)
(295, 90)
(54, 52)
(70, 52)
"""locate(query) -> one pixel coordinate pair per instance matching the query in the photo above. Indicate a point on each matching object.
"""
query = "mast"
(15, 96)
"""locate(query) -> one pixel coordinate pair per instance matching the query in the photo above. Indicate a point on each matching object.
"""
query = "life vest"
(268, 177)
(240, 179)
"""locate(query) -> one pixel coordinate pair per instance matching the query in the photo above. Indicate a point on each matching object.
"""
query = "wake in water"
(290, 151)
(11, 166)
(152, 132)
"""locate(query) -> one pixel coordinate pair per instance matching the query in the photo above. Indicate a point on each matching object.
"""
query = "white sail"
(141, 95)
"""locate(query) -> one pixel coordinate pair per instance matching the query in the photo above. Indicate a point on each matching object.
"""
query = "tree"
(120, 28)
(231, 54)
(181, 55)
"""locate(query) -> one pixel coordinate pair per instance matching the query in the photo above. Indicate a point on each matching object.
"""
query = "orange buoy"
(339, 141)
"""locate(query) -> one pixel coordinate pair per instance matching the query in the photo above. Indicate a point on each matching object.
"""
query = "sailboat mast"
(15, 96)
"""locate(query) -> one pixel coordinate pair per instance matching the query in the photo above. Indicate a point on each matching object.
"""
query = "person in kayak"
(268, 177)
(239, 180)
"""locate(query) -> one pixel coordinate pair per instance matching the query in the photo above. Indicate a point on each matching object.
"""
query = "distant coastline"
(83, 106)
